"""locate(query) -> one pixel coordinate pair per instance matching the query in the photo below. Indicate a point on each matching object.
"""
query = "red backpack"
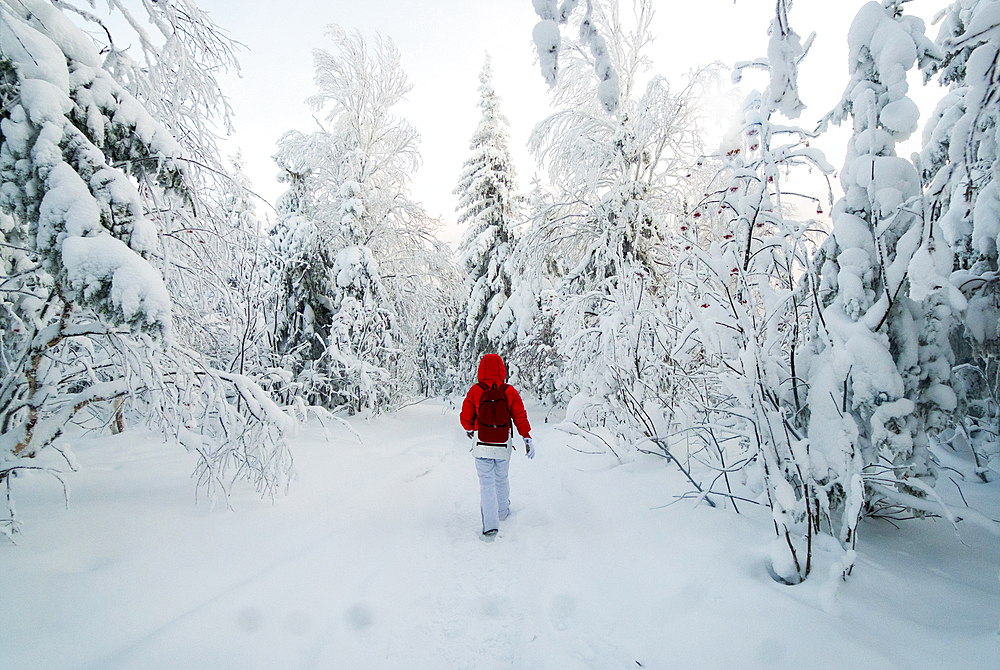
(494, 414)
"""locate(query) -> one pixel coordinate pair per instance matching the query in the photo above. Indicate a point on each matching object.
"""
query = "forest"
(821, 341)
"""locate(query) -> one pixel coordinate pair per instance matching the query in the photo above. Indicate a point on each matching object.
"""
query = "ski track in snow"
(375, 560)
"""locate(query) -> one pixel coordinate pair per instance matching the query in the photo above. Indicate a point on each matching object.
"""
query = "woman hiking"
(487, 413)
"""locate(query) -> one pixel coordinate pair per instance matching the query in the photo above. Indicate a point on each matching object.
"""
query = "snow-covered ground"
(374, 560)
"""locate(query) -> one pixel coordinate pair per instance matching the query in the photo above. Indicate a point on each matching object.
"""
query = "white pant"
(494, 491)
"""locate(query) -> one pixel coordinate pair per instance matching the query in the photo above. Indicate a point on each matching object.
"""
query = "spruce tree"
(93, 186)
(868, 415)
(960, 162)
(488, 204)
(362, 274)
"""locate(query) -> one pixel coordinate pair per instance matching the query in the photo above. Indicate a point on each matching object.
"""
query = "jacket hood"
(492, 369)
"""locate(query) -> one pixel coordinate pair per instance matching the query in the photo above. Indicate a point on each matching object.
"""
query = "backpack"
(494, 414)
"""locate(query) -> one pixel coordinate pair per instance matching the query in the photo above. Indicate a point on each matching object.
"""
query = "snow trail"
(374, 560)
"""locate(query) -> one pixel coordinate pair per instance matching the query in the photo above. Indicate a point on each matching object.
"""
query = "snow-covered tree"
(602, 238)
(750, 312)
(362, 270)
(960, 162)
(880, 354)
(549, 44)
(87, 316)
(241, 314)
(488, 206)
(168, 56)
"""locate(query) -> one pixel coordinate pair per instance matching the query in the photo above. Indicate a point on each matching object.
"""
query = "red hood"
(492, 369)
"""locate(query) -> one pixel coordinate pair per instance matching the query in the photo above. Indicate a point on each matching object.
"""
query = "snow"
(900, 117)
(984, 21)
(374, 561)
(986, 234)
(784, 51)
(137, 290)
(852, 232)
(37, 57)
(862, 29)
(546, 37)
(873, 370)
(43, 100)
(349, 267)
(67, 208)
(608, 92)
(58, 27)
(546, 9)
(982, 319)
(943, 396)
(894, 53)
(923, 274)
(261, 404)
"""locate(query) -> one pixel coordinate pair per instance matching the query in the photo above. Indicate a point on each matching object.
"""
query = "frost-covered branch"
(93, 178)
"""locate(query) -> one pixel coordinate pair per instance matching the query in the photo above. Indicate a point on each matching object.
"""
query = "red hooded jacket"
(493, 371)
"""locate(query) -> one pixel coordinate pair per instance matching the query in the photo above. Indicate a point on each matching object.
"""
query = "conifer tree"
(865, 386)
(91, 180)
(362, 272)
(488, 205)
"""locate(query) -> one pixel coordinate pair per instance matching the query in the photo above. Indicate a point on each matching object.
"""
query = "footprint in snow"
(359, 617)
(493, 606)
(561, 609)
(250, 619)
(534, 518)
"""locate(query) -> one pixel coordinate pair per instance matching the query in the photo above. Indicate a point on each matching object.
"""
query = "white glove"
(529, 448)
(470, 434)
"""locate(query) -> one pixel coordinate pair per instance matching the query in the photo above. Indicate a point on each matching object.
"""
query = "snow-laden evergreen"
(881, 377)
(362, 275)
(87, 321)
(170, 56)
(960, 161)
(488, 205)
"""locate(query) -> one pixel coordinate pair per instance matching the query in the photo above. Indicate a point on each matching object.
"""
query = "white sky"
(442, 43)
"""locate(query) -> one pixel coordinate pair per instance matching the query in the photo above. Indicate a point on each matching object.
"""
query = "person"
(493, 458)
